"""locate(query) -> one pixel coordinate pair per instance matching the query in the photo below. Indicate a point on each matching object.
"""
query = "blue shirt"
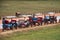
(34, 19)
(47, 17)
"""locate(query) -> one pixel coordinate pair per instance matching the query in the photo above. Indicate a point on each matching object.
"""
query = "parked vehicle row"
(23, 21)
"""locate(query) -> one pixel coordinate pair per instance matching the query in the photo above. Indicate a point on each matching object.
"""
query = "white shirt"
(58, 18)
(1, 27)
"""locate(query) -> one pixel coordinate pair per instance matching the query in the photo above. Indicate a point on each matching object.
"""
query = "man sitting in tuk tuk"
(14, 23)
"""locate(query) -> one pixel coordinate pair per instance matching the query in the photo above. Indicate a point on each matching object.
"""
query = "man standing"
(3, 22)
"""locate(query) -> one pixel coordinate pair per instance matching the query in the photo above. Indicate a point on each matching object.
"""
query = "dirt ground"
(27, 29)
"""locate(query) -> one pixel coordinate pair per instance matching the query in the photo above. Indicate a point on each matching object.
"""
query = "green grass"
(49, 33)
(10, 7)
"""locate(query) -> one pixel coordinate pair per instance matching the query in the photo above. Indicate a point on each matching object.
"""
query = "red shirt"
(13, 21)
(39, 19)
(30, 19)
(6, 21)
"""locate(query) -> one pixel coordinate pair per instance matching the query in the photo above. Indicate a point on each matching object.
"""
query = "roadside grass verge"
(47, 33)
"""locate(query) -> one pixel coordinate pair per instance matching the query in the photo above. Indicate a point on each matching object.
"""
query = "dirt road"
(27, 29)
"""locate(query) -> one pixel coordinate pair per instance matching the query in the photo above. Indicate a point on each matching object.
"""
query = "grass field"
(48, 33)
(10, 7)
